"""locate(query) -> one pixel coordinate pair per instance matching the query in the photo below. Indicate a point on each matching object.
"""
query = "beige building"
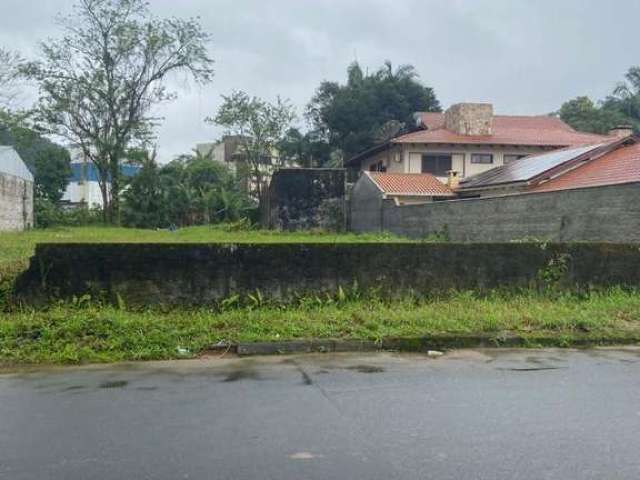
(468, 139)
(228, 151)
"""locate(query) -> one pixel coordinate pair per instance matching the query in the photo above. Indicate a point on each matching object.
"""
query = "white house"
(16, 191)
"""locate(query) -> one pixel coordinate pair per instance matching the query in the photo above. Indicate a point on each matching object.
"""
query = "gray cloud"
(524, 56)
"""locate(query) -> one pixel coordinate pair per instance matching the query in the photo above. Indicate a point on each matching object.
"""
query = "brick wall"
(610, 214)
(16, 203)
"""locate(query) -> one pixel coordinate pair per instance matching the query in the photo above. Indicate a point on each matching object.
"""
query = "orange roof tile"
(413, 184)
(619, 166)
(507, 130)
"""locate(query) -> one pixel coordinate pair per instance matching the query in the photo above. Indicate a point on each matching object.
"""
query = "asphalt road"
(544, 414)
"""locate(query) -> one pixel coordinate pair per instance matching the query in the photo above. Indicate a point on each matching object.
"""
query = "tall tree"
(306, 150)
(625, 99)
(585, 116)
(260, 126)
(354, 116)
(99, 82)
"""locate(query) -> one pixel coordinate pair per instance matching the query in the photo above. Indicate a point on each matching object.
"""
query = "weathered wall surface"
(172, 274)
(469, 118)
(304, 198)
(610, 214)
(16, 203)
(365, 204)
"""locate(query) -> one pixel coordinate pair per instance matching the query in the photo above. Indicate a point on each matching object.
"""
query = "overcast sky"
(525, 57)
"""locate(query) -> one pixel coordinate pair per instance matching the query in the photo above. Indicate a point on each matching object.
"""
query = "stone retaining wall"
(200, 274)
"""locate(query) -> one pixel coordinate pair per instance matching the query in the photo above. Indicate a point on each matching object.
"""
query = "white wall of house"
(16, 191)
(410, 200)
(407, 158)
(83, 192)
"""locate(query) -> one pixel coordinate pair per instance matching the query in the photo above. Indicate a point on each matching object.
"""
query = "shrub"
(47, 214)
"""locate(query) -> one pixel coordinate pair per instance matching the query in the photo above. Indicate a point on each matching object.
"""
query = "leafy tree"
(50, 163)
(625, 99)
(355, 116)
(583, 115)
(145, 202)
(99, 82)
(621, 107)
(306, 150)
(191, 190)
(260, 127)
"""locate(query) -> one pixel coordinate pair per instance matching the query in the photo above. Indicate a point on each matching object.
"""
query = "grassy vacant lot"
(18, 247)
(85, 333)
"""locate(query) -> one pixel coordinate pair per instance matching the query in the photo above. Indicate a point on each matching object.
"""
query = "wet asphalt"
(492, 414)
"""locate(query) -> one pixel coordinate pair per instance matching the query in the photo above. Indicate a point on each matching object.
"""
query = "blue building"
(84, 186)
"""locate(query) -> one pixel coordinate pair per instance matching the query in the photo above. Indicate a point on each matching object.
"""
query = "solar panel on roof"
(525, 168)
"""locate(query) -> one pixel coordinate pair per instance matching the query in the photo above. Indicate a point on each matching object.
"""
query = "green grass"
(76, 334)
(68, 333)
(18, 247)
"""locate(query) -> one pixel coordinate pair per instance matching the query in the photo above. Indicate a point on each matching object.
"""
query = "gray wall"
(365, 204)
(16, 203)
(197, 274)
(305, 198)
(609, 213)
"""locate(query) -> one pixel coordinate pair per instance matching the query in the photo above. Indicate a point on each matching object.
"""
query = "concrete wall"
(199, 274)
(305, 198)
(610, 214)
(365, 202)
(16, 203)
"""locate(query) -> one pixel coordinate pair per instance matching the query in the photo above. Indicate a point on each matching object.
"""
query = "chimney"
(469, 118)
(452, 179)
(621, 131)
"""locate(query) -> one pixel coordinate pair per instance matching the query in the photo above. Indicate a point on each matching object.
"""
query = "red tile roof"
(410, 184)
(507, 130)
(619, 166)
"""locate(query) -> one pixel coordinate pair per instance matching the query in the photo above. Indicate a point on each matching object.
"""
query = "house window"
(377, 167)
(485, 158)
(437, 165)
(510, 158)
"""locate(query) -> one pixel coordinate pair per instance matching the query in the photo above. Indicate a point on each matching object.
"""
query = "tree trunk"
(115, 200)
(105, 201)
(114, 171)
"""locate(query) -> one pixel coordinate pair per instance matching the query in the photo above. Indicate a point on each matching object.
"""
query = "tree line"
(620, 107)
(99, 81)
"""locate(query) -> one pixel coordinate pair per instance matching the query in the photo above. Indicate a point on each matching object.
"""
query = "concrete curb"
(433, 342)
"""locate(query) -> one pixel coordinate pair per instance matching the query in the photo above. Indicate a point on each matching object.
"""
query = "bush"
(48, 214)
